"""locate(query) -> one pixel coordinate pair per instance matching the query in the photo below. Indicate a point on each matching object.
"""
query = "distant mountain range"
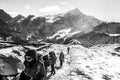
(104, 33)
(59, 28)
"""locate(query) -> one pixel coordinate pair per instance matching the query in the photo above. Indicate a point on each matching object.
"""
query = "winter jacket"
(46, 61)
(37, 71)
(61, 57)
(52, 58)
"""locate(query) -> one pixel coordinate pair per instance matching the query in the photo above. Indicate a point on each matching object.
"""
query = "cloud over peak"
(50, 9)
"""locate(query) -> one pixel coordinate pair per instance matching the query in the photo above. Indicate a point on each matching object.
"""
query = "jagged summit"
(18, 18)
(4, 16)
(21, 16)
(75, 11)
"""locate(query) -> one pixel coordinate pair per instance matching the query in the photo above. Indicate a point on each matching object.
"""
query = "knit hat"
(31, 53)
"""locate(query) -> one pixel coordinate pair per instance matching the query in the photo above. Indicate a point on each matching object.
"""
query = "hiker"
(33, 67)
(46, 61)
(68, 49)
(40, 57)
(53, 59)
(61, 58)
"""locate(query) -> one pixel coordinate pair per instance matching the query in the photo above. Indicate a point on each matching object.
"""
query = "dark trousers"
(52, 69)
(61, 63)
(23, 76)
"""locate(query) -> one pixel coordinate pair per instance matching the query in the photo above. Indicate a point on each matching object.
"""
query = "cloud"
(64, 3)
(66, 6)
(27, 7)
(50, 9)
(13, 14)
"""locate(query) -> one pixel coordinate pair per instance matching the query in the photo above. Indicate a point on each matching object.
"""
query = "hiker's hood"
(31, 53)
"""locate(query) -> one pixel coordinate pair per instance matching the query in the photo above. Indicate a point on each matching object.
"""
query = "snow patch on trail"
(95, 63)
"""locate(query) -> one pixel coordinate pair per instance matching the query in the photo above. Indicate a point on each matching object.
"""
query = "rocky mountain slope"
(33, 28)
(4, 16)
(104, 33)
(61, 28)
(110, 28)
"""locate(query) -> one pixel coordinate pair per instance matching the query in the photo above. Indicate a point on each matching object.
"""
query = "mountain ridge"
(87, 29)
(4, 16)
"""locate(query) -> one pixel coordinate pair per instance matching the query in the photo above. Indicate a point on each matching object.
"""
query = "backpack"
(46, 61)
(61, 57)
(37, 71)
(52, 58)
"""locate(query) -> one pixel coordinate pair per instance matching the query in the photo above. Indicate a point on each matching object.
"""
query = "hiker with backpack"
(46, 62)
(61, 59)
(34, 68)
(68, 50)
(52, 58)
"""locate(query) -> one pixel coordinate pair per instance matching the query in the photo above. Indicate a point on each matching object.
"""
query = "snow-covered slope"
(60, 34)
(65, 33)
(100, 62)
(95, 63)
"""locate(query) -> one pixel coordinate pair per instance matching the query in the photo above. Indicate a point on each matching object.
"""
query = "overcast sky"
(107, 10)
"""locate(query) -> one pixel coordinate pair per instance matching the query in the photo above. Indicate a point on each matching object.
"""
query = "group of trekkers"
(36, 66)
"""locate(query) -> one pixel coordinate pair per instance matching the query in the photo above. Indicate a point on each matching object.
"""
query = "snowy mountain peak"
(75, 11)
